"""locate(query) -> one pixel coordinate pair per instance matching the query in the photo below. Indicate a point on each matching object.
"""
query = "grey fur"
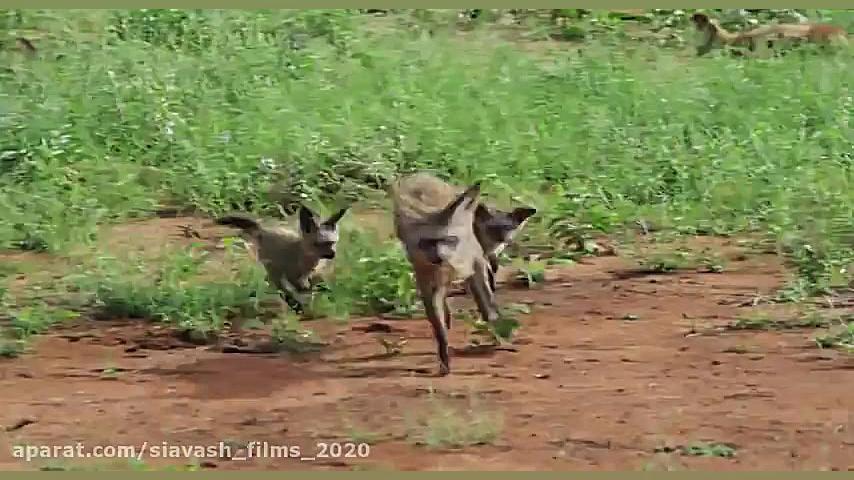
(495, 229)
(291, 259)
(435, 224)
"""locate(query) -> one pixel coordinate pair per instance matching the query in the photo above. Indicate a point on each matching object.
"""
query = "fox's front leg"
(293, 302)
(493, 271)
(434, 305)
(293, 295)
(484, 296)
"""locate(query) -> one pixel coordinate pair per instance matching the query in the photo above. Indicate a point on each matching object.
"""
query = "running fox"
(714, 34)
(495, 229)
(435, 224)
(292, 260)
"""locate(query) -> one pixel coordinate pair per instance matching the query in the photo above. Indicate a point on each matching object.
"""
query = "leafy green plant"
(26, 322)
(709, 449)
(769, 322)
(842, 336)
(36, 319)
(371, 277)
(288, 334)
(10, 347)
(503, 329)
(532, 273)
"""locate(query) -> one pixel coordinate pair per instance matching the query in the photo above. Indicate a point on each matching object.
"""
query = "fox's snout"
(438, 250)
(325, 250)
(501, 232)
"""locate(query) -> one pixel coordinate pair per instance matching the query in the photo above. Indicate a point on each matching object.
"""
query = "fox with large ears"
(495, 229)
(435, 222)
(292, 259)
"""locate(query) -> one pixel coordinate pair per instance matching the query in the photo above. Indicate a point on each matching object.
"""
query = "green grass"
(839, 336)
(23, 323)
(370, 277)
(709, 449)
(771, 322)
(183, 288)
(124, 112)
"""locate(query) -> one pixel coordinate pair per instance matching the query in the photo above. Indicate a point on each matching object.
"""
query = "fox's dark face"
(445, 238)
(496, 228)
(436, 250)
(322, 237)
(700, 20)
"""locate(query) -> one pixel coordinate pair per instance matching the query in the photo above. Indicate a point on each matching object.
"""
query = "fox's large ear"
(520, 214)
(700, 19)
(334, 219)
(465, 201)
(307, 222)
(482, 212)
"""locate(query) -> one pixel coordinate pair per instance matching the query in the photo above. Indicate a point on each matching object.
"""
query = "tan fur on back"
(810, 31)
(813, 32)
(416, 198)
(421, 194)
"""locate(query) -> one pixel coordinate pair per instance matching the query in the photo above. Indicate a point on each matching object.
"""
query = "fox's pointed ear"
(700, 19)
(471, 194)
(520, 214)
(307, 222)
(465, 201)
(482, 212)
(334, 219)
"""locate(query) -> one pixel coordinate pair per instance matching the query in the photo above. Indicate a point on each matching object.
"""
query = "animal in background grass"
(292, 260)
(435, 222)
(26, 46)
(22, 45)
(714, 35)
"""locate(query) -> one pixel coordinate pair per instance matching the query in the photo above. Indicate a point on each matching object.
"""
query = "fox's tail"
(241, 221)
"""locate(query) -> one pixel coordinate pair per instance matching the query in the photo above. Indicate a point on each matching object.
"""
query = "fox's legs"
(292, 302)
(478, 285)
(288, 295)
(435, 307)
(447, 314)
(493, 270)
(704, 49)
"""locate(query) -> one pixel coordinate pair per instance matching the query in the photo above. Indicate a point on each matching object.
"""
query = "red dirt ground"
(611, 372)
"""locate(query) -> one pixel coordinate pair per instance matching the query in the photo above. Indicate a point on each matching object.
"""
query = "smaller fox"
(495, 229)
(714, 34)
(435, 224)
(292, 260)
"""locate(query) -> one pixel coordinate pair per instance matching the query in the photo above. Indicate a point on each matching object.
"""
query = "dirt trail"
(607, 375)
